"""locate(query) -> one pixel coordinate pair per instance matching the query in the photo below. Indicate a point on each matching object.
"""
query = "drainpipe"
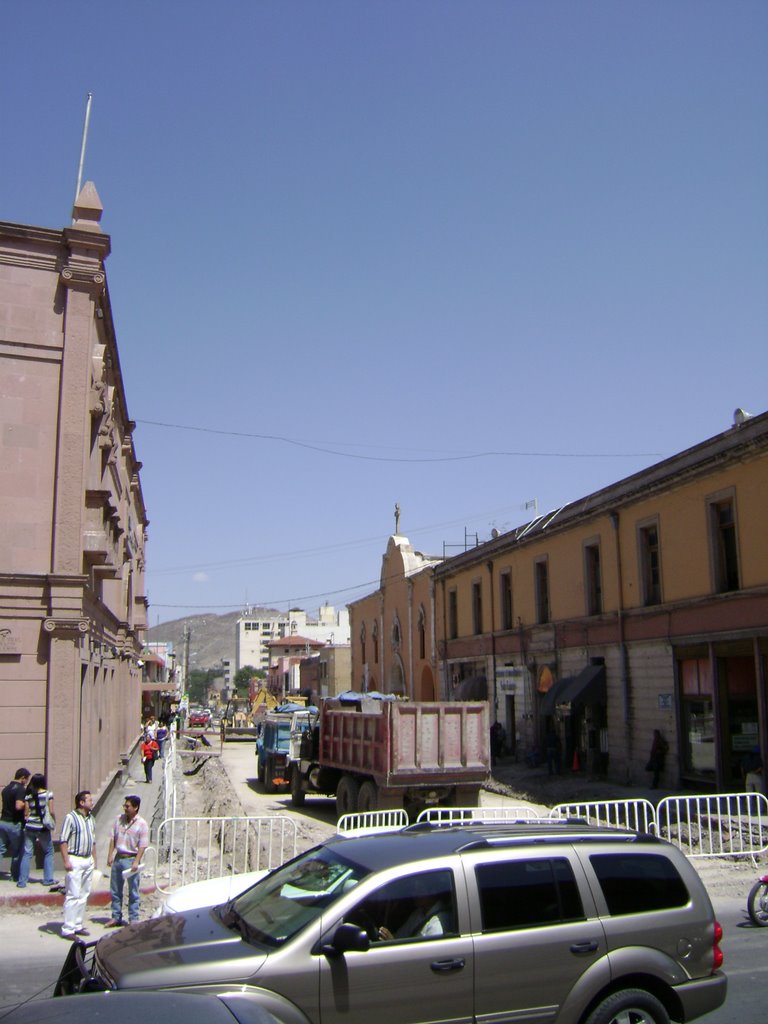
(411, 681)
(446, 678)
(625, 680)
(489, 566)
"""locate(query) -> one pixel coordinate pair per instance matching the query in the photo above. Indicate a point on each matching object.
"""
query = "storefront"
(722, 710)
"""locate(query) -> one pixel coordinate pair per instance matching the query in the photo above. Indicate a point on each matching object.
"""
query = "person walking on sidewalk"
(127, 843)
(78, 851)
(12, 821)
(150, 751)
(38, 828)
(162, 735)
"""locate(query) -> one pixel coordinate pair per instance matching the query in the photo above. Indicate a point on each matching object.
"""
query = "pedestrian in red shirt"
(150, 751)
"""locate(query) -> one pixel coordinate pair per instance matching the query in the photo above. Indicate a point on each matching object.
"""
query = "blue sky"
(359, 246)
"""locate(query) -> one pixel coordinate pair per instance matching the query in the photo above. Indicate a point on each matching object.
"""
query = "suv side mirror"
(347, 938)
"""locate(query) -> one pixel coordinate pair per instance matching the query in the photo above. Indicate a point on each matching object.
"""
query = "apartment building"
(257, 628)
(72, 544)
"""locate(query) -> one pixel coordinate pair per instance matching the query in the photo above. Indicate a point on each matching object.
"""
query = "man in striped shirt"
(78, 851)
(129, 840)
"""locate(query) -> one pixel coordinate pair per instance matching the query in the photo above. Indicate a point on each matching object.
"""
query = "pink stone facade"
(72, 517)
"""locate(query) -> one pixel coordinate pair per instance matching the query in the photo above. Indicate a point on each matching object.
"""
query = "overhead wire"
(458, 457)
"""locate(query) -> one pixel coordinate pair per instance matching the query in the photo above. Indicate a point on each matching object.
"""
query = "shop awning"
(158, 688)
(588, 687)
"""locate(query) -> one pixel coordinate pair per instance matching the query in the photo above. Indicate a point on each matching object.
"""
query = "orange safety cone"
(576, 763)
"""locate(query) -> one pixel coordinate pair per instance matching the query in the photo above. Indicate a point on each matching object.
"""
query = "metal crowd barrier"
(637, 815)
(463, 815)
(195, 849)
(721, 825)
(370, 822)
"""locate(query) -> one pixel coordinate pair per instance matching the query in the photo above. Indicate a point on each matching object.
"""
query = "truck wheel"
(297, 793)
(368, 798)
(346, 796)
(269, 786)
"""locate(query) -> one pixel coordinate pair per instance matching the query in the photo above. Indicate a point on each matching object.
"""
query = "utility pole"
(187, 635)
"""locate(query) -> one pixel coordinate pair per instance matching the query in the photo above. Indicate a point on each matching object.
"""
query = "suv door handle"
(445, 966)
(589, 946)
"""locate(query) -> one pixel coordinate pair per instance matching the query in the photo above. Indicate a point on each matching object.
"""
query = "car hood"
(190, 948)
(209, 892)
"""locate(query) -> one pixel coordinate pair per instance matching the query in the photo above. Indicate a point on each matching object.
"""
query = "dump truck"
(382, 754)
(277, 731)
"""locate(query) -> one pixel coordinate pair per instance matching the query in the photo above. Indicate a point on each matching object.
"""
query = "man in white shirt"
(78, 852)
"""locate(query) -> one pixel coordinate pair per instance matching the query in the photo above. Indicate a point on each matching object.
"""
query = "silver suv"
(547, 921)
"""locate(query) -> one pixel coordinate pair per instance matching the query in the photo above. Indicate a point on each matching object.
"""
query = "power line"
(273, 602)
(345, 545)
(386, 458)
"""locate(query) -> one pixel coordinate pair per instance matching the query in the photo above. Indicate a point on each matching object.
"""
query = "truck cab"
(278, 744)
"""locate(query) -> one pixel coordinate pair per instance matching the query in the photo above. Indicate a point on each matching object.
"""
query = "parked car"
(135, 1007)
(546, 920)
(209, 892)
(200, 719)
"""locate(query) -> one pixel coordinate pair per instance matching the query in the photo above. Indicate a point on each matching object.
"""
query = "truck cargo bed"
(404, 744)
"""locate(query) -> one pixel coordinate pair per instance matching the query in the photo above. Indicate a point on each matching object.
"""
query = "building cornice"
(737, 444)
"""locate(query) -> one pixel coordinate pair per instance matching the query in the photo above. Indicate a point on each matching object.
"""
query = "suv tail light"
(717, 953)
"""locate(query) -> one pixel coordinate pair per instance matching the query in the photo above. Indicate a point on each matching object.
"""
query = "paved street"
(34, 951)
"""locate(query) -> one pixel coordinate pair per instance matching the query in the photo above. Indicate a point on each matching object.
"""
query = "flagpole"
(82, 144)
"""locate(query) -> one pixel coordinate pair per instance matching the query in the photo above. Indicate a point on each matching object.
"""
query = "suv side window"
(527, 893)
(421, 906)
(634, 883)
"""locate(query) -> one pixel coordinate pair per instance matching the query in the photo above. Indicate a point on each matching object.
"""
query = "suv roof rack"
(511, 833)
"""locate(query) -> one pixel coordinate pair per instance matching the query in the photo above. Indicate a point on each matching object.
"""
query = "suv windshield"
(274, 910)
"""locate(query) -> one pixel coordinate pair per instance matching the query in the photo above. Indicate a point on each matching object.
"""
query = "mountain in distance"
(211, 638)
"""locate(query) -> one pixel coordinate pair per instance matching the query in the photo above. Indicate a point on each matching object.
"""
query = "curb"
(99, 898)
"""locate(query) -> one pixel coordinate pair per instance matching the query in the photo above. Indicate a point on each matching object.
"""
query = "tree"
(244, 675)
(200, 681)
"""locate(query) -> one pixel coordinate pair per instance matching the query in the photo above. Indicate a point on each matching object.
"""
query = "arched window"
(375, 638)
(396, 634)
(362, 643)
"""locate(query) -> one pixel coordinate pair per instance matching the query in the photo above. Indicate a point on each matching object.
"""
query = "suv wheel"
(632, 1006)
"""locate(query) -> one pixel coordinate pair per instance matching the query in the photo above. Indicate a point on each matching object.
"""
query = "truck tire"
(269, 786)
(368, 797)
(297, 793)
(346, 796)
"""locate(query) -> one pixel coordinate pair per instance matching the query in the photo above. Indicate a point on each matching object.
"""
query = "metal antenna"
(88, 102)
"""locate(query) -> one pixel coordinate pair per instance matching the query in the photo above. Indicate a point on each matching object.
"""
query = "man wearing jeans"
(12, 822)
(129, 840)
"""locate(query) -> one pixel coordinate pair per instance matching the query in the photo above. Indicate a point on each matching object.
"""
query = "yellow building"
(642, 606)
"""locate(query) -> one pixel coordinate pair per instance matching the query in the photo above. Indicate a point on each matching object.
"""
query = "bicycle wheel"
(757, 904)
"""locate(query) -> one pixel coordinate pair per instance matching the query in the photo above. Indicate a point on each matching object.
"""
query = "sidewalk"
(535, 785)
(109, 806)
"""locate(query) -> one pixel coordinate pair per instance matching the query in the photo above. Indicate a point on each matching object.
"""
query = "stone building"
(72, 517)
